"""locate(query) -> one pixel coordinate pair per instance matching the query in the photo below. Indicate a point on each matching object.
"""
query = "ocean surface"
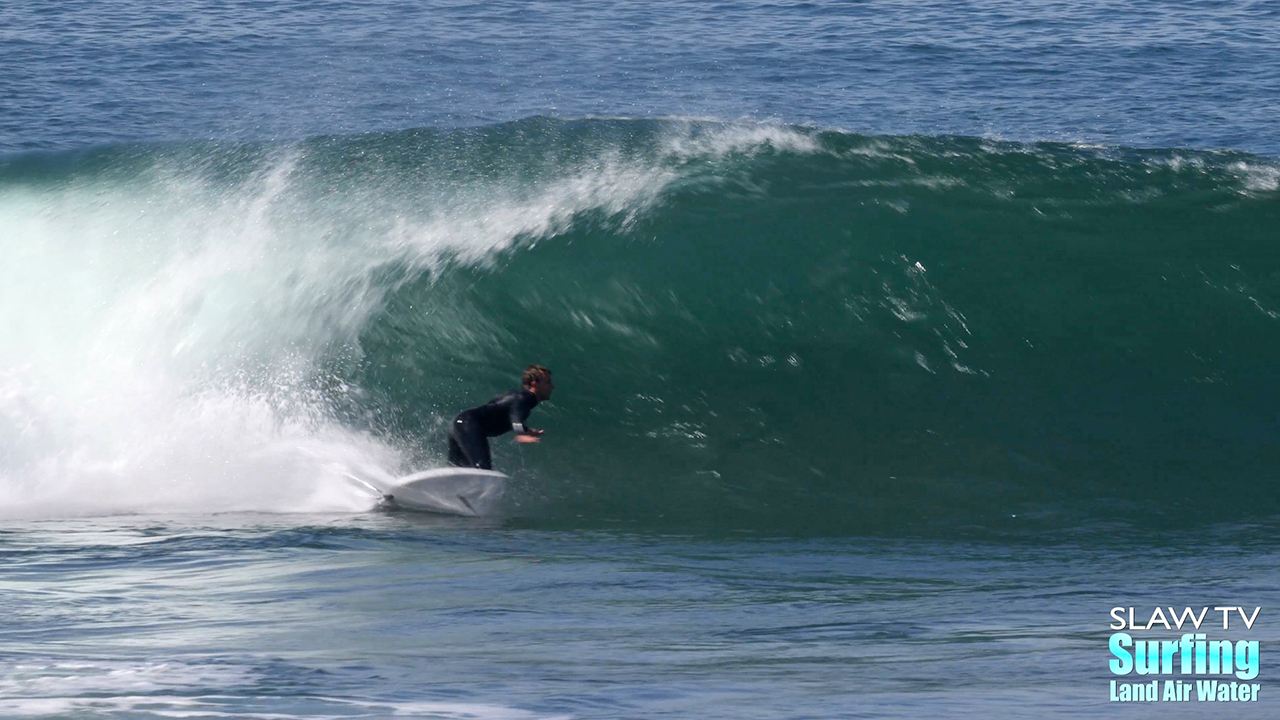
(895, 344)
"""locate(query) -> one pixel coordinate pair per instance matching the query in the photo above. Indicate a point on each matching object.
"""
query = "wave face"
(754, 327)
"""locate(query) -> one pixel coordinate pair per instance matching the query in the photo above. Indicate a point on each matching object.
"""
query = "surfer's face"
(542, 389)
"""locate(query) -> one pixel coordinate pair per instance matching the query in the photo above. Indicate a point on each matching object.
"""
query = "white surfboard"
(451, 490)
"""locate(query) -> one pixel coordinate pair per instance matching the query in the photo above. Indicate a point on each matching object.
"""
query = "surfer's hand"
(528, 438)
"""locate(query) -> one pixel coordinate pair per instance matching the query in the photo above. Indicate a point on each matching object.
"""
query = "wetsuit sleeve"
(520, 410)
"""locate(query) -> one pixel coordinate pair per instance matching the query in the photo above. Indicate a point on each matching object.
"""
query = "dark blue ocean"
(896, 345)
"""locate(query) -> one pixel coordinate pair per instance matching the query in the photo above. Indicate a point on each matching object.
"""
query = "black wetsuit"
(470, 432)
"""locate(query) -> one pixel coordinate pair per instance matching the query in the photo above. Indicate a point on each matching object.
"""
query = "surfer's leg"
(476, 447)
(468, 447)
(484, 462)
(457, 457)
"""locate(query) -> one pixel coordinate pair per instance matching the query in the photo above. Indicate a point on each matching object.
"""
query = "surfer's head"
(537, 380)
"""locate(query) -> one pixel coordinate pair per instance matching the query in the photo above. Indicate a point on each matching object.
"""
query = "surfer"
(470, 432)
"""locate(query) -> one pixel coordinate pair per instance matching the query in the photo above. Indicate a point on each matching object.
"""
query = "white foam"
(58, 686)
(176, 706)
(177, 689)
(1258, 177)
(693, 140)
(476, 228)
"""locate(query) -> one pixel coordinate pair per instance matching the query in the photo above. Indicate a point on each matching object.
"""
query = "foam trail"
(56, 688)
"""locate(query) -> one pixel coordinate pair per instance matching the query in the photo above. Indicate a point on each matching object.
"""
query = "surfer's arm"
(519, 414)
(526, 434)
